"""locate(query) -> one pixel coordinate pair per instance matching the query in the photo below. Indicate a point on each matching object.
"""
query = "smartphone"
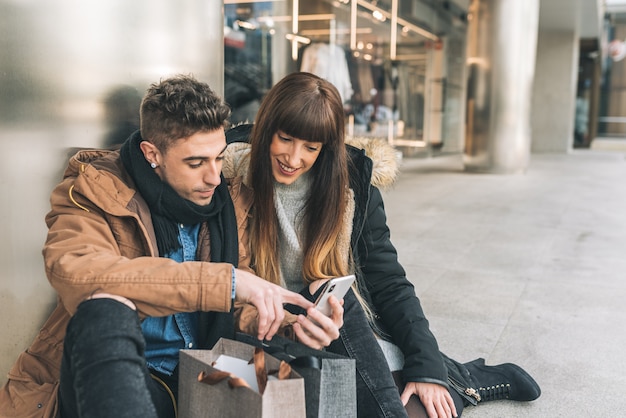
(337, 287)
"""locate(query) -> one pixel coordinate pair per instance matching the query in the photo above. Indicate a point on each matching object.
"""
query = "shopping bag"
(329, 379)
(275, 390)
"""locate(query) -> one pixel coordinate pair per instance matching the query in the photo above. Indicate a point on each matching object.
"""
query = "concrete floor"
(524, 268)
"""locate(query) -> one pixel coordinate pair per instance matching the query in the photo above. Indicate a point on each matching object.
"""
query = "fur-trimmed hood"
(385, 160)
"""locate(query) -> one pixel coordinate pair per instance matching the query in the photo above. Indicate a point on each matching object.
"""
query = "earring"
(153, 165)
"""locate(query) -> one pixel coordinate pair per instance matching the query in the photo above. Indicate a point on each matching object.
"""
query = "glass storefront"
(612, 100)
(399, 66)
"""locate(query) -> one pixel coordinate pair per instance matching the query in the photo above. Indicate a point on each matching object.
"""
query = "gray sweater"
(289, 201)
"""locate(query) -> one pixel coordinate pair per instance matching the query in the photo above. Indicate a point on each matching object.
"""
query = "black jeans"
(103, 371)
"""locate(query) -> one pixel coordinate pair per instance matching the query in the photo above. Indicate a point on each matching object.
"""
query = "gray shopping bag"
(205, 391)
(329, 379)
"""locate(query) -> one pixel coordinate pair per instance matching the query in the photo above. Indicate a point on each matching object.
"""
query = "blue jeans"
(103, 371)
(378, 395)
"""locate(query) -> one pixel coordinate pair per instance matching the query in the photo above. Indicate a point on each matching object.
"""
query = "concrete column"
(502, 43)
(554, 92)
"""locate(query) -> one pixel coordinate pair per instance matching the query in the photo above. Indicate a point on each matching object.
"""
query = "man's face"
(191, 166)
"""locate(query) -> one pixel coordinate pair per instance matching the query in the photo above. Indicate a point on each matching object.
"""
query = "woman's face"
(291, 157)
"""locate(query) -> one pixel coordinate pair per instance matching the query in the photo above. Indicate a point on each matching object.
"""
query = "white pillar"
(554, 92)
(502, 42)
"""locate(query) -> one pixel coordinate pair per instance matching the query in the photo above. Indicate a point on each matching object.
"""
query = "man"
(143, 251)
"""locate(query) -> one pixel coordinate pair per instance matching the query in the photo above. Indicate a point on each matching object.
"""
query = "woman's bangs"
(310, 123)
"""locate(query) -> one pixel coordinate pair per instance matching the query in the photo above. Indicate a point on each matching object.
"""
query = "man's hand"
(316, 330)
(268, 299)
(435, 398)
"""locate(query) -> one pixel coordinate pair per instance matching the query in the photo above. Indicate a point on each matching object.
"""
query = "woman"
(315, 212)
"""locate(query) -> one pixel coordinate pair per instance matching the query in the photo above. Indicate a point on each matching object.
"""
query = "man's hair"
(178, 107)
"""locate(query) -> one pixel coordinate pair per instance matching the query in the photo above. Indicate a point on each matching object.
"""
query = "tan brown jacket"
(101, 239)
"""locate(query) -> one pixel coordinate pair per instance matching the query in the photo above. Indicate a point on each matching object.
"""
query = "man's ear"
(150, 152)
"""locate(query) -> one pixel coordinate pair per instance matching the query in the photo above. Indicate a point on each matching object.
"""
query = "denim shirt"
(166, 335)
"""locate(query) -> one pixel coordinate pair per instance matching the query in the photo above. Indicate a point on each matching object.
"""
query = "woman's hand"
(316, 330)
(435, 398)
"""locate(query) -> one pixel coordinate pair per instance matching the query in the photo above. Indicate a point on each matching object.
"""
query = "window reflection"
(394, 84)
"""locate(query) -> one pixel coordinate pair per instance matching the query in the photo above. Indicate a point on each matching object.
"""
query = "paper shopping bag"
(268, 388)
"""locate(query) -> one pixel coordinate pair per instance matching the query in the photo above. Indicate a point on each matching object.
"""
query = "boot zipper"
(473, 393)
(470, 394)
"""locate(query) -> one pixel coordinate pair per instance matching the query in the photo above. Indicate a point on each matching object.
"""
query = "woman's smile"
(287, 170)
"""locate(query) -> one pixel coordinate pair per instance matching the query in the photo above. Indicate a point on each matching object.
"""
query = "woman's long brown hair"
(307, 107)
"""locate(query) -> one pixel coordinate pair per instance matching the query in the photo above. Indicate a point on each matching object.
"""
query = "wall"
(59, 60)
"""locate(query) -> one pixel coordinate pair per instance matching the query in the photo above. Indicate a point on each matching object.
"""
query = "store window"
(393, 82)
(612, 100)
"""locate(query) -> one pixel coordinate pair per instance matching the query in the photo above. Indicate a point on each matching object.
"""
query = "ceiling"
(566, 15)
(615, 6)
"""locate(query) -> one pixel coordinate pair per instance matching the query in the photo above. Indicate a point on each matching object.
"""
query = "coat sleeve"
(89, 251)
(394, 301)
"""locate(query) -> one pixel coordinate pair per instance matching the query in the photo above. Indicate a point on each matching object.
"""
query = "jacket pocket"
(28, 399)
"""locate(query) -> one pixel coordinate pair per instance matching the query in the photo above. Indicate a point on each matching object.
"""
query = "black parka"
(382, 280)
(383, 283)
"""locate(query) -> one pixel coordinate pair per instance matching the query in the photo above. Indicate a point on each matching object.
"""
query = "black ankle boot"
(504, 381)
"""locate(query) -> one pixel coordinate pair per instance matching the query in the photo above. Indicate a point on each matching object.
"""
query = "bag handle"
(280, 348)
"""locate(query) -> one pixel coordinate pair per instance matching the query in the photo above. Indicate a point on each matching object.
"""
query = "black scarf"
(168, 209)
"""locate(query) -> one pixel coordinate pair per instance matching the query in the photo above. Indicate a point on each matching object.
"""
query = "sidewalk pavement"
(524, 268)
